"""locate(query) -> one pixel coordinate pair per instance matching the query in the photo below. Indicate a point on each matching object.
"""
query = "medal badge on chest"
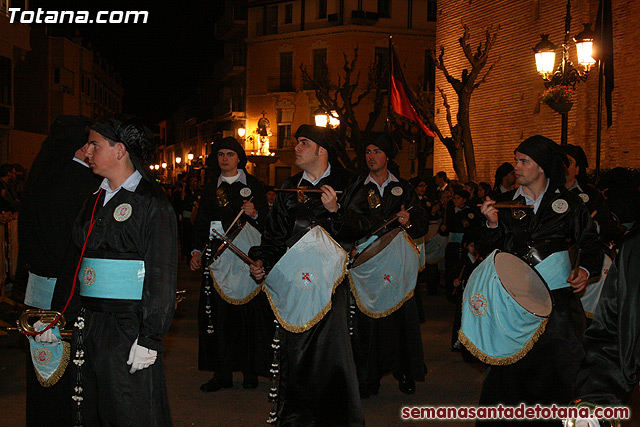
(560, 206)
(245, 192)
(302, 198)
(373, 199)
(222, 198)
(122, 212)
(397, 191)
(518, 213)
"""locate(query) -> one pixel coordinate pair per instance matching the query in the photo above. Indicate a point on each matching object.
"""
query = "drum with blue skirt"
(505, 308)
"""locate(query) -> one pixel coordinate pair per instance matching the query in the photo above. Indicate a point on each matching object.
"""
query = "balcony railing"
(230, 107)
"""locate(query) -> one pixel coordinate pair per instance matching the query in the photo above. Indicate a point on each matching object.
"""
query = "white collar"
(130, 184)
(390, 178)
(529, 200)
(326, 173)
(240, 176)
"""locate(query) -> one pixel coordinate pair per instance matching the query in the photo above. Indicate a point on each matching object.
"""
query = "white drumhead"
(523, 284)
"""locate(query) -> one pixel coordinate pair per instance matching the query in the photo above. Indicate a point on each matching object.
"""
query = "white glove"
(46, 336)
(140, 357)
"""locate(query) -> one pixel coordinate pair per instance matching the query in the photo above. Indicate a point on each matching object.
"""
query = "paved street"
(449, 382)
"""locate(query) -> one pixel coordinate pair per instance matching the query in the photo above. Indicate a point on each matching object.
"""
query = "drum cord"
(75, 276)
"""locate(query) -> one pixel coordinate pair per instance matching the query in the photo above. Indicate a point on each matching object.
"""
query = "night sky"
(161, 62)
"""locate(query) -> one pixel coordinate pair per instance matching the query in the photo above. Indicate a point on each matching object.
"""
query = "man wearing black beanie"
(318, 383)
(234, 320)
(576, 182)
(127, 282)
(558, 219)
(389, 341)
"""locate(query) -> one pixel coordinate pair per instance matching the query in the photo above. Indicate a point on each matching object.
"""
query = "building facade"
(506, 109)
(282, 36)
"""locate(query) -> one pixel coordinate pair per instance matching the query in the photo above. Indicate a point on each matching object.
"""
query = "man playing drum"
(318, 382)
(234, 321)
(390, 341)
(558, 220)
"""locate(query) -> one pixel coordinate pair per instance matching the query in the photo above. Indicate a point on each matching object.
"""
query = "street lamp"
(190, 156)
(323, 119)
(178, 160)
(565, 74)
(242, 131)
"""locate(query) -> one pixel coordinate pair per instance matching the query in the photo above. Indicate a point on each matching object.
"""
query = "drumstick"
(455, 290)
(237, 250)
(508, 205)
(230, 227)
(304, 190)
(236, 219)
(389, 221)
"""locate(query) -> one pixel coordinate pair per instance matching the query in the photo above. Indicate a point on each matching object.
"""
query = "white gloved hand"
(47, 336)
(140, 357)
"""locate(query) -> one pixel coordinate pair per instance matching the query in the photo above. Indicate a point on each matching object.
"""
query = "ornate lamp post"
(562, 81)
(324, 119)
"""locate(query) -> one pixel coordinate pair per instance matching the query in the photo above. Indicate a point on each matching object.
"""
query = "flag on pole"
(402, 100)
(604, 50)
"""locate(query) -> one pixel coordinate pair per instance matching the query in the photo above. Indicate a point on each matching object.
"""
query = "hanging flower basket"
(559, 98)
(560, 107)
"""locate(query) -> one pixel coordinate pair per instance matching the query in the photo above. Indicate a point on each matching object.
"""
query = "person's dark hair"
(486, 187)
(580, 157)
(5, 168)
(473, 186)
(462, 193)
(416, 180)
(502, 171)
(325, 138)
(229, 143)
(443, 174)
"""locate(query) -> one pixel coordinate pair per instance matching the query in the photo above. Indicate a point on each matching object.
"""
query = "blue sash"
(495, 327)
(49, 359)
(300, 285)
(39, 291)
(555, 270)
(112, 278)
(383, 283)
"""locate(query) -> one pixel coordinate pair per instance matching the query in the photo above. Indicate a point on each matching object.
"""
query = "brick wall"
(505, 109)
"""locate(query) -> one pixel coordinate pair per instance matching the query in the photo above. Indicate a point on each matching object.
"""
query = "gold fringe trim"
(318, 317)
(374, 314)
(435, 262)
(507, 360)
(227, 298)
(55, 377)
(385, 313)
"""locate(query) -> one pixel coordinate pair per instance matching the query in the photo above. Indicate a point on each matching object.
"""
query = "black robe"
(242, 334)
(547, 373)
(611, 368)
(113, 396)
(392, 343)
(53, 195)
(318, 382)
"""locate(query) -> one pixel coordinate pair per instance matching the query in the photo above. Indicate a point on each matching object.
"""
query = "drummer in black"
(459, 219)
(233, 337)
(558, 220)
(576, 173)
(318, 382)
(392, 343)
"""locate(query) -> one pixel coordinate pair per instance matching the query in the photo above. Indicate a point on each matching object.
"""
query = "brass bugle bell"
(25, 323)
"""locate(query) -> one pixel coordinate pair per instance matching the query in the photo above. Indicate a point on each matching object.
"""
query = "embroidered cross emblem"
(387, 277)
(305, 276)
